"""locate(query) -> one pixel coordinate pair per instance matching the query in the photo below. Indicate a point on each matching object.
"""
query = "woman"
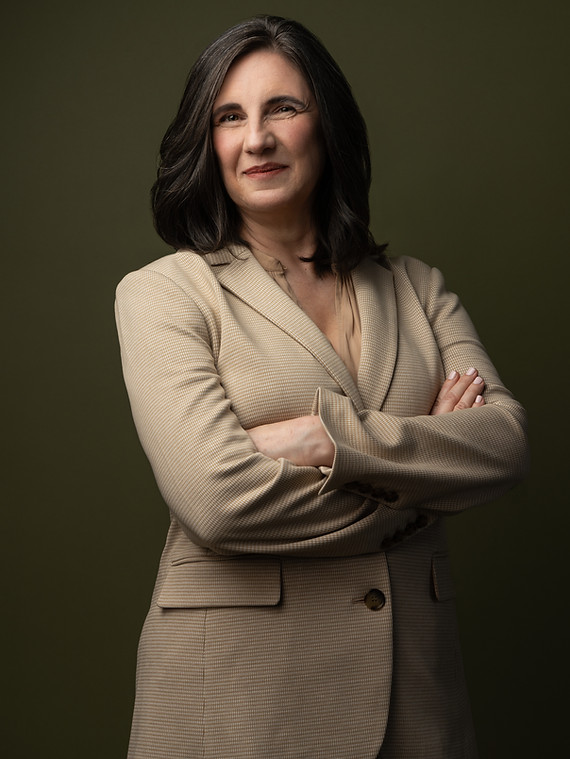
(288, 386)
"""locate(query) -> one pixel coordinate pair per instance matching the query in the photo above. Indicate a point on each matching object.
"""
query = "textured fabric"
(260, 641)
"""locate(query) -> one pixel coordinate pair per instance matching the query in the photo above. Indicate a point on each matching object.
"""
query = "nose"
(259, 136)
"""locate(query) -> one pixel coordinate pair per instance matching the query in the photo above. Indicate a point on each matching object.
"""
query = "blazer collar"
(374, 287)
(238, 271)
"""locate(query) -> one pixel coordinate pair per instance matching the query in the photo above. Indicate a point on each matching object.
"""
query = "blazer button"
(375, 599)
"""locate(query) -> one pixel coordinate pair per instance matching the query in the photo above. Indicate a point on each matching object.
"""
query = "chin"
(274, 203)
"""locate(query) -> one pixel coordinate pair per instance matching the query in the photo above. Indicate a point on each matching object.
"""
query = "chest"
(316, 298)
(270, 372)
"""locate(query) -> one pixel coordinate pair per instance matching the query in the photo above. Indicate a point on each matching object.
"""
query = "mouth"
(265, 169)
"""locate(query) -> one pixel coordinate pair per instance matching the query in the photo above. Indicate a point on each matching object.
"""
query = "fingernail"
(477, 380)
(470, 371)
(478, 399)
(452, 375)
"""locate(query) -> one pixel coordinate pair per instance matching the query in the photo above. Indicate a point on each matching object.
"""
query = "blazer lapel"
(374, 287)
(240, 273)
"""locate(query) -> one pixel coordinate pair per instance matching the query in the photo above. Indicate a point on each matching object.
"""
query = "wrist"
(324, 450)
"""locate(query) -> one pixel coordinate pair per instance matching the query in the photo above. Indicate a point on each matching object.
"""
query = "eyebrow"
(272, 101)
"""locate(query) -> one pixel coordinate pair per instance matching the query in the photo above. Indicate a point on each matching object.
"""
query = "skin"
(267, 139)
(460, 392)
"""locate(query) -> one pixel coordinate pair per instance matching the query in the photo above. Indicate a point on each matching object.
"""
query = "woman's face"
(267, 138)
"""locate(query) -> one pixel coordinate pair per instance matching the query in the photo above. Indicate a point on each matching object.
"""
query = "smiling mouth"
(265, 169)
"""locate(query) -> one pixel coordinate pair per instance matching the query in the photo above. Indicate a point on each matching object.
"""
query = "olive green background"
(467, 109)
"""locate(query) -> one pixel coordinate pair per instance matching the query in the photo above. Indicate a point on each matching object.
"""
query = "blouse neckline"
(347, 337)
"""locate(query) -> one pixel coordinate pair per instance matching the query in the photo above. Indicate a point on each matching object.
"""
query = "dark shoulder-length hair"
(190, 205)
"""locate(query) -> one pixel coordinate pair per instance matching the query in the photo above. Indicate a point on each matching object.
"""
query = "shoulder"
(416, 285)
(191, 272)
(406, 267)
(402, 272)
(401, 267)
(181, 266)
(426, 281)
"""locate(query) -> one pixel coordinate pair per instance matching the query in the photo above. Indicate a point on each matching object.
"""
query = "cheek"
(225, 151)
(309, 145)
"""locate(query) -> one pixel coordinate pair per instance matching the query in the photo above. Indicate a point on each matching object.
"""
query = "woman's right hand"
(460, 392)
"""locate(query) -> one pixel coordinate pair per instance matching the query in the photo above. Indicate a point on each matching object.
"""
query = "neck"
(288, 240)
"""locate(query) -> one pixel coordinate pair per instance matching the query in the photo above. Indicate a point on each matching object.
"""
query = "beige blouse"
(346, 339)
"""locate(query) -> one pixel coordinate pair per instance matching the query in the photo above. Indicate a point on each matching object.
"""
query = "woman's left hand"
(302, 441)
(460, 392)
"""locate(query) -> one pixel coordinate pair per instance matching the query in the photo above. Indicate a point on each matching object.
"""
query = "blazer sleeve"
(227, 496)
(442, 463)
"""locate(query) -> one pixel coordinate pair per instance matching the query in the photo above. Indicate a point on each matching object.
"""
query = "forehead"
(262, 74)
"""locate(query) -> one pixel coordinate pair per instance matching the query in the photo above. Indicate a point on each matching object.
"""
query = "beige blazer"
(304, 613)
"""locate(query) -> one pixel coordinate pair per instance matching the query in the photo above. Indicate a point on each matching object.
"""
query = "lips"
(264, 168)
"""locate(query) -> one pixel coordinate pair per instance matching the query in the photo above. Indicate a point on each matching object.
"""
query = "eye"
(230, 118)
(283, 111)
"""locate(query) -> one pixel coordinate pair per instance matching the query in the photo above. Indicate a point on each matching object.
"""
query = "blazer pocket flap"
(441, 577)
(222, 582)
